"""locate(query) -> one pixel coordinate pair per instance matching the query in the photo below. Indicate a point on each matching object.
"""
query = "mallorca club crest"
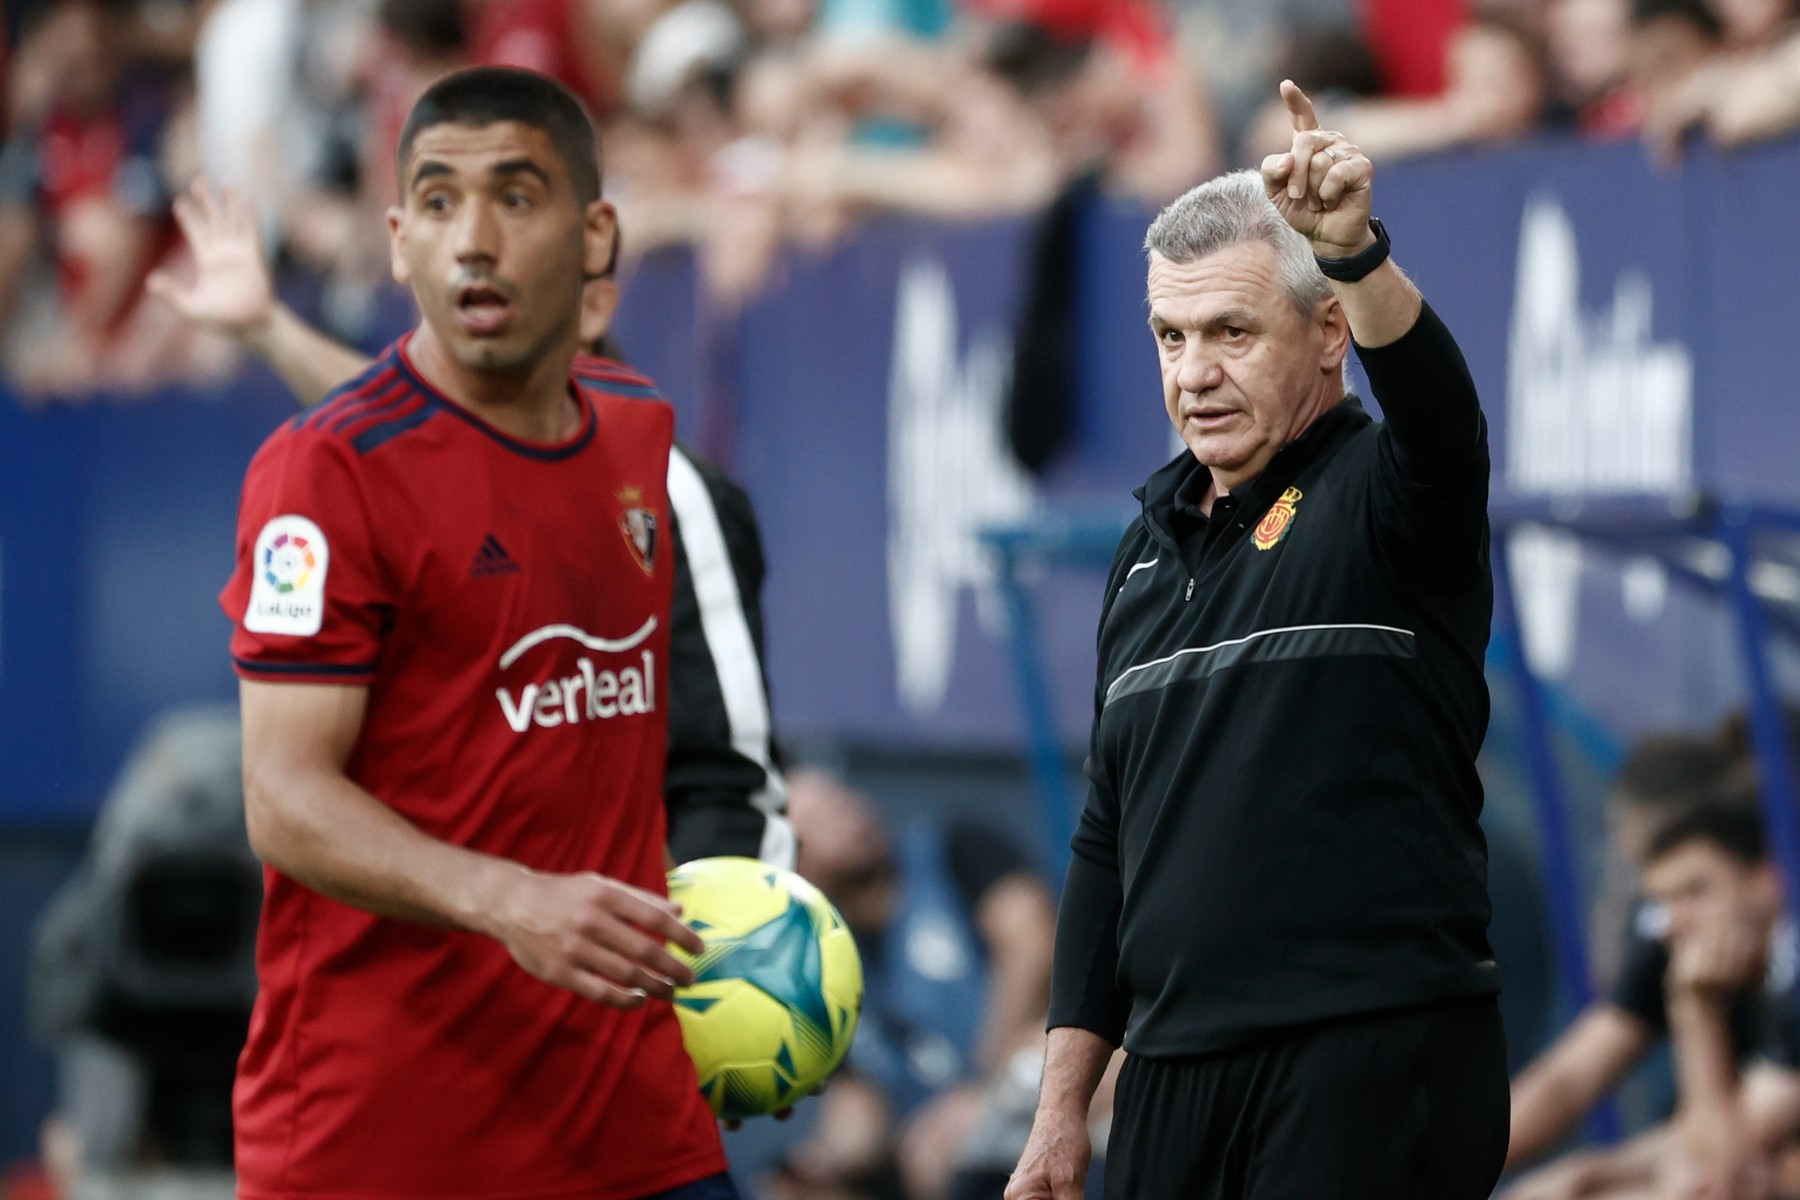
(1274, 525)
(638, 525)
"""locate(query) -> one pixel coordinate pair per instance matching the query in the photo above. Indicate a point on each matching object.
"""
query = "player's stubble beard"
(503, 356)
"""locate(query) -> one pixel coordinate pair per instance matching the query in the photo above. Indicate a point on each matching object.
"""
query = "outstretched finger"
(1299, 107)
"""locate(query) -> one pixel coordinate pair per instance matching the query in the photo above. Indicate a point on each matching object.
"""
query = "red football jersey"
(507, 605)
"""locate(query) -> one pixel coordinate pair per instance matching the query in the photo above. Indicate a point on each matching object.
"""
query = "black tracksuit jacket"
(723, 789)
(1281, 825)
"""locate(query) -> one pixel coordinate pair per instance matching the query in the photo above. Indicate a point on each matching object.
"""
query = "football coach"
(1277, 900)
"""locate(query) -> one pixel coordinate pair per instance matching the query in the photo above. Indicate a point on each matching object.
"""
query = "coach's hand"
(598, 937)
(1054, 1165)
(1322, 183)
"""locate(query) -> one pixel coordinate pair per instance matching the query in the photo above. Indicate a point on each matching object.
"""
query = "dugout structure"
(1736, 552)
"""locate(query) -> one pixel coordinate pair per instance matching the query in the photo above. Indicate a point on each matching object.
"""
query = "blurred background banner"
(1626, 327)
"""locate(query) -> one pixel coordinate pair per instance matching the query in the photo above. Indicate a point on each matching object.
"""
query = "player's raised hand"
(597, 937)
(230, 290)
(1321, 183)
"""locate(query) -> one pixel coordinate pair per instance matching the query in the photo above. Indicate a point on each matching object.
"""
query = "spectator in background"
(1589, 45)
(1664, 775)
(1752, 25)
(955, 928)
(1498, 90)
(278, 85)
(1730, 954)
(1719, 903)
(1006, 131)
(1750, 92)
(1736, 1111)
(1671, 40)
(84, 178)
(1239, 47)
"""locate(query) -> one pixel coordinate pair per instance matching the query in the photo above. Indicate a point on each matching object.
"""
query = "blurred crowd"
(743, 127)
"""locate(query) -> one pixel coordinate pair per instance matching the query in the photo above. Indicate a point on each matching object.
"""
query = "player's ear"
(599, 301)
(397, 248)
(599, 223)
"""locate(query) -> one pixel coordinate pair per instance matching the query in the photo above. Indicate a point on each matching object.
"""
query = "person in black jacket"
(1277, 900)
(723, 788)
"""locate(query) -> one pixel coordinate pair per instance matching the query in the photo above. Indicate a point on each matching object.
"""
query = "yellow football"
(778, 990)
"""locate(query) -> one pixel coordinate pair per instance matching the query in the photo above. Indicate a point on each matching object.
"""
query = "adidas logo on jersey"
(492, 559)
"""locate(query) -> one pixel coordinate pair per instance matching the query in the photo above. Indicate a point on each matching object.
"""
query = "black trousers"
(1410, 1104)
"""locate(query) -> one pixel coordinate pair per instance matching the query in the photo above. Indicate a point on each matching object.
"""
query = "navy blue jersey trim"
(631, 391)
(335, 670)
(436, 402)
(374, 406)
(346, 394)
(382, 431)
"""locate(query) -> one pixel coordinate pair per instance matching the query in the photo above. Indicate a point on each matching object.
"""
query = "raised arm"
(1322, 185)
(231, 292)
(595, 936)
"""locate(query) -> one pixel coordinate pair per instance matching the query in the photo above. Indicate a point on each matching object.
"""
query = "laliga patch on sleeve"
(287, 594)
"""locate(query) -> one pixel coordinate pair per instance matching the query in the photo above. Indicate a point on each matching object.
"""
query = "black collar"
(1182, 483)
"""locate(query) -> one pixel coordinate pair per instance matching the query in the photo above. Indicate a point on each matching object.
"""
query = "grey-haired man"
(1278, 897)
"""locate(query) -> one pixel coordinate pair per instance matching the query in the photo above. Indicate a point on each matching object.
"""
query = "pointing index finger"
(1299, 107)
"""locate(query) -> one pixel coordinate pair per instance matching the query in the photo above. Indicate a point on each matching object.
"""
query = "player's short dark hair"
(1696, 14)
(1733, 826)
(1668, 770)
(486, 95)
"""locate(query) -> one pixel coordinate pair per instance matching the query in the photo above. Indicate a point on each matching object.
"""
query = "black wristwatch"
(1349, 270)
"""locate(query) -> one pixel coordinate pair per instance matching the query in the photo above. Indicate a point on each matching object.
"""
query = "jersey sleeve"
(309, 595)
(1085, 992)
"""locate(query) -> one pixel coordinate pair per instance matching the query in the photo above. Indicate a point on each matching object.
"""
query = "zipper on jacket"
(1190, 591)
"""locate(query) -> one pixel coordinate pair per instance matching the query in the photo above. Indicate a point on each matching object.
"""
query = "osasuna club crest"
(638, 524)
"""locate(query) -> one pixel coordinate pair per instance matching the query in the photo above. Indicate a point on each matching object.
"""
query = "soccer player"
(723, 790)
(452, 597)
